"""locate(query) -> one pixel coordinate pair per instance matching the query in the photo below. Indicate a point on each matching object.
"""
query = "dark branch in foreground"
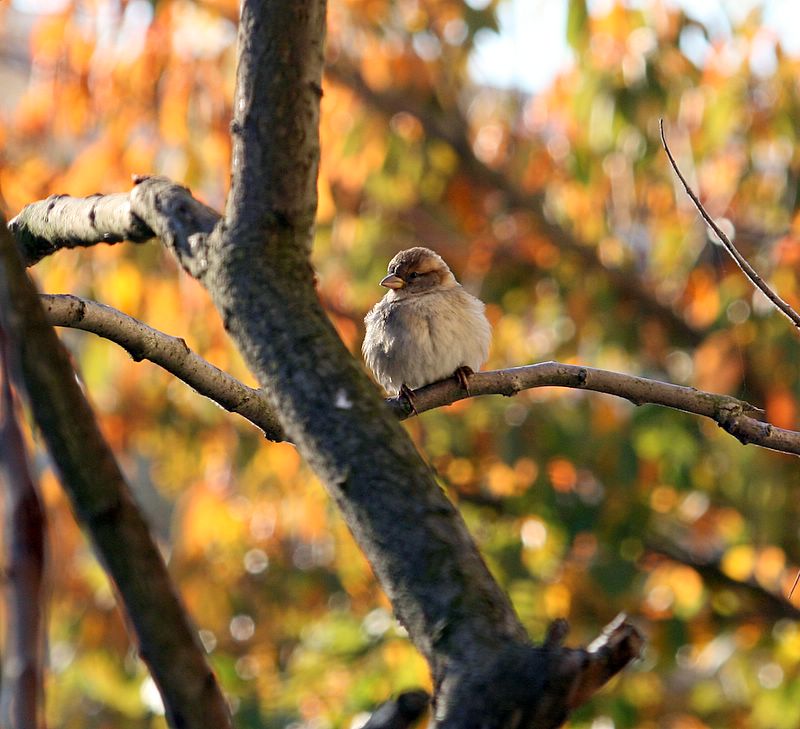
(101, 499)
(741, 261)
(24, 527)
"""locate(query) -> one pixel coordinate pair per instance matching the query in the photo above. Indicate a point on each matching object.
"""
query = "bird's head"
(418, 270)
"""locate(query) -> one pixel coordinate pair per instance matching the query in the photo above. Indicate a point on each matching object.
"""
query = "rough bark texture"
(260, 279)
(62, 221)
(100, 497)
(399, 713)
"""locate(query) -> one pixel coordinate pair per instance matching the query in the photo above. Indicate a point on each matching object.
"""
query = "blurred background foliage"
(557, 208)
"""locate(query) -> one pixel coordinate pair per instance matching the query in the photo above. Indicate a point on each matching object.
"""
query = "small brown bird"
(426, 327)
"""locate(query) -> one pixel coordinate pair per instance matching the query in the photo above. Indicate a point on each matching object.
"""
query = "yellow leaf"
(738, 562)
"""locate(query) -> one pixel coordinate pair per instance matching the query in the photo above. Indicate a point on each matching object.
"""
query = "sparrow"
(426, 328)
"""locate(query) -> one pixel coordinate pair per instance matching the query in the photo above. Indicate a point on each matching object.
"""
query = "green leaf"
(577, 24)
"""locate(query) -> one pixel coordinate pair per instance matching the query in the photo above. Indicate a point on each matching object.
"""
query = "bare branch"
(181, 222)
(764, 602)
(741, 261)
(141, 341)
(538, 687)
(24, 526)
(101, 499)
(172, 353)
(184, 221)
(618, 645)
(275, 127)
(737, 417)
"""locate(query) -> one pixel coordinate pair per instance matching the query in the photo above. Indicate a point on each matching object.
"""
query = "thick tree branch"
(257, 270)
(260, 279)
(740, 260)
(155, 207)
(101, 499)
(24, 526)
(171, 353)
(62, 221)
(452, 129)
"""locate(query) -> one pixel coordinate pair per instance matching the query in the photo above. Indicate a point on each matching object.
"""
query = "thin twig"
(741, 261)
(794, 586)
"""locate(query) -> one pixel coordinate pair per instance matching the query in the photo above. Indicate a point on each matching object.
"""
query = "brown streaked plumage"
(426, 327)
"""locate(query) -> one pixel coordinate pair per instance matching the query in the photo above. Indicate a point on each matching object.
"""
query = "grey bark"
(62, 221)
(261, 281)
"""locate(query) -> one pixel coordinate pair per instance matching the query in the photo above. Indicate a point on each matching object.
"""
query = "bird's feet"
(462, 374)
(406, 392)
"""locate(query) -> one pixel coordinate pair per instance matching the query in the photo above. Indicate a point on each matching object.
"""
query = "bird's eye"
(413, 274)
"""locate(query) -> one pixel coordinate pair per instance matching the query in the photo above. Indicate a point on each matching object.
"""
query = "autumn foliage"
(560, 210)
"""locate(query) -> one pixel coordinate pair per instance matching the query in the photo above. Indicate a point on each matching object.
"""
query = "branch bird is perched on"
(426, 327)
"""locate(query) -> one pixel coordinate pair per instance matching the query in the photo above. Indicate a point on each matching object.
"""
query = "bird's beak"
(393, 282)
